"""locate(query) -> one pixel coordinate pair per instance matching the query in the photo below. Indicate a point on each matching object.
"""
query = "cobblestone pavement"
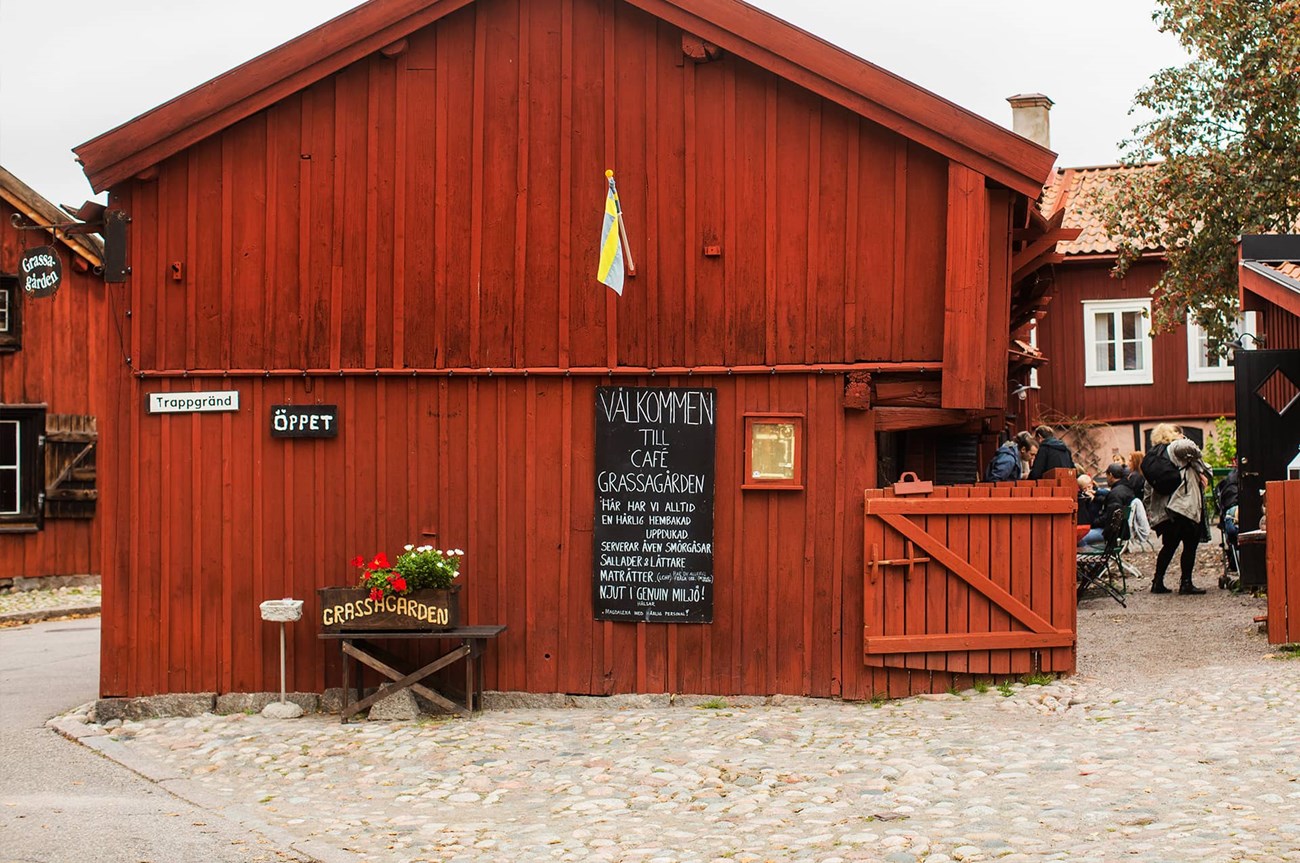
(23, 606)
(1192, 761)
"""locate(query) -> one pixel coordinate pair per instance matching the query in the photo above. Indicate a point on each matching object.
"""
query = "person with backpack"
(1052, 453)
(1175, 478)
(1005, 464)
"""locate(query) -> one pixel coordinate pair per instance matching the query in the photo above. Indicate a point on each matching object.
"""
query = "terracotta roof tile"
(1290, 269)
(1081, 192)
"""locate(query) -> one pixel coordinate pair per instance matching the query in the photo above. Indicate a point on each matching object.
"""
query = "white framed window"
(1116, 342)
(10, 315)
(1200, 365)
(21, 464)
(11, 467)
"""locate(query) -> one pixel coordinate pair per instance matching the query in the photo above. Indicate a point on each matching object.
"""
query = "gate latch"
(910, 561)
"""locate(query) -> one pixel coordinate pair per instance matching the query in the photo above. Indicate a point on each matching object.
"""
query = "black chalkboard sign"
(304, 421)
(655, 451)
(41, 271)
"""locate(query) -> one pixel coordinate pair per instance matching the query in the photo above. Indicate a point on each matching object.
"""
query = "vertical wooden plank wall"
(394, 238)
(489, 476)
(1282, 554)
(61, 364)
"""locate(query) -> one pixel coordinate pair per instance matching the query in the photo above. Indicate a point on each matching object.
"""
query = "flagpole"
(629, 266)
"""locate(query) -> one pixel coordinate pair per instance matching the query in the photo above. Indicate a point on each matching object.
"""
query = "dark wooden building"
(399, 214)
(52, 369)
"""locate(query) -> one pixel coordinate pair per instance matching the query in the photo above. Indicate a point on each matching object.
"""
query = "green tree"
(1225, 143)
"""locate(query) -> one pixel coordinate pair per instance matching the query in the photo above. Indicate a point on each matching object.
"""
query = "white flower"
(408, 547)
(426, 548)
(459, 553)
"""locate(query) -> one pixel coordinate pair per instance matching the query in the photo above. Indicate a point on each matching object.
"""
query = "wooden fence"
(967, 583)
(1282, 502)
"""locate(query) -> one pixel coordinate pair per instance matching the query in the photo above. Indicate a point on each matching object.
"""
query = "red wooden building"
(398, 214)
(51, 384)
(1104, 366)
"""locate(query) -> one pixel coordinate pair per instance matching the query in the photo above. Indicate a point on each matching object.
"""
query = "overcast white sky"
(71, 70)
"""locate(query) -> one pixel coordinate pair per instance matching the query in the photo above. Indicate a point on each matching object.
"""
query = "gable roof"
(37, 210)
(1081, 193)
(747, 32)
(1270, 268)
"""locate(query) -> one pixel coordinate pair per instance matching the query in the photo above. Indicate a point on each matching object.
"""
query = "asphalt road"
(60, 801)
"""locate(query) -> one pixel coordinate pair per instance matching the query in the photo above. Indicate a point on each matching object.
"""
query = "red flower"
(376, 594)
(380, 562)
(358, 561)
(399, 584)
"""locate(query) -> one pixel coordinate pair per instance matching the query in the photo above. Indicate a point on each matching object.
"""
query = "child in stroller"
(1225, 500)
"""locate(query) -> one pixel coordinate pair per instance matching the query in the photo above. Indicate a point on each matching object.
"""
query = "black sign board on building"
(41, 271)
(655, 449)
(304, 421)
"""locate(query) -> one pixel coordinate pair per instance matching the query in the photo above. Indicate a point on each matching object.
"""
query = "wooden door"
(975, 580)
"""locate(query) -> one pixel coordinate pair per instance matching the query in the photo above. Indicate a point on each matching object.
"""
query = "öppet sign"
(189, 403)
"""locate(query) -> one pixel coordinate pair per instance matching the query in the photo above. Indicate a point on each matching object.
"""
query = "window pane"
(1105, 327)
(1105, 357)
(1132, 356)
(9, 502)
(1131, 324)
(4, 311)
(8, 443)
(772, 450)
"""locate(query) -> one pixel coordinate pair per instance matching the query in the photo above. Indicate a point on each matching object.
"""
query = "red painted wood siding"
(1279, 328)
(1060, 337)
(294, 224)
(1283, 562)
(62, 363)
(501, 467)
(442, 210)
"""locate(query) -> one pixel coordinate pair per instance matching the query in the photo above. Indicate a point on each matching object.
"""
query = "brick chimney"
(1029, 117)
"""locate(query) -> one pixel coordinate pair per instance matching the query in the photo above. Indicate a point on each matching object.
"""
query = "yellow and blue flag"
(610, 271)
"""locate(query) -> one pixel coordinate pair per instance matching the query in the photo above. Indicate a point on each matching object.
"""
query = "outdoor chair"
(1102, 568)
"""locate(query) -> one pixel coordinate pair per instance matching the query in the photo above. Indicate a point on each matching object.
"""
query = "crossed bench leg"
(382, 661)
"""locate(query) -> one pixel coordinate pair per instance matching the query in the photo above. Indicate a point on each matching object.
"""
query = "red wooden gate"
(969, 582)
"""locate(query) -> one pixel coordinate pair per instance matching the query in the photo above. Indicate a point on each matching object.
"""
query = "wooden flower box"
(347, 609)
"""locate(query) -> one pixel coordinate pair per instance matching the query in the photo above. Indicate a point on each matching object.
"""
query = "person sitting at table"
(1119, 499)
(1090, 503)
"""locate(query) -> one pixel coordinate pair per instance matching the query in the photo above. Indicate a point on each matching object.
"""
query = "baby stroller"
(1225, 499)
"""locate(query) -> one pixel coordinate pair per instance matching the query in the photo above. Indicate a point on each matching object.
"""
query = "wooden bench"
(359, 646)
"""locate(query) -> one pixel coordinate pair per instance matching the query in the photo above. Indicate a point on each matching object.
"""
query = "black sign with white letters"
(304, 421)
(42, 271)
(655, 453)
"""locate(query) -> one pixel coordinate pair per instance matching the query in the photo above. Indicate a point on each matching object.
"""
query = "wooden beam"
(876, 645)
(902, 419)
(910, 391)
(972, 506)
(966, 290)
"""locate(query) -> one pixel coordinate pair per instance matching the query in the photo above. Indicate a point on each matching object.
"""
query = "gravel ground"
(1159, 634)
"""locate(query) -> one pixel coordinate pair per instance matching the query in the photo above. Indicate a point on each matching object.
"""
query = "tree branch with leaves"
(1223, 155)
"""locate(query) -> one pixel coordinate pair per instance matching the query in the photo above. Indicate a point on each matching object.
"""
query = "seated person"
(1119, 498)
(1090, 503)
